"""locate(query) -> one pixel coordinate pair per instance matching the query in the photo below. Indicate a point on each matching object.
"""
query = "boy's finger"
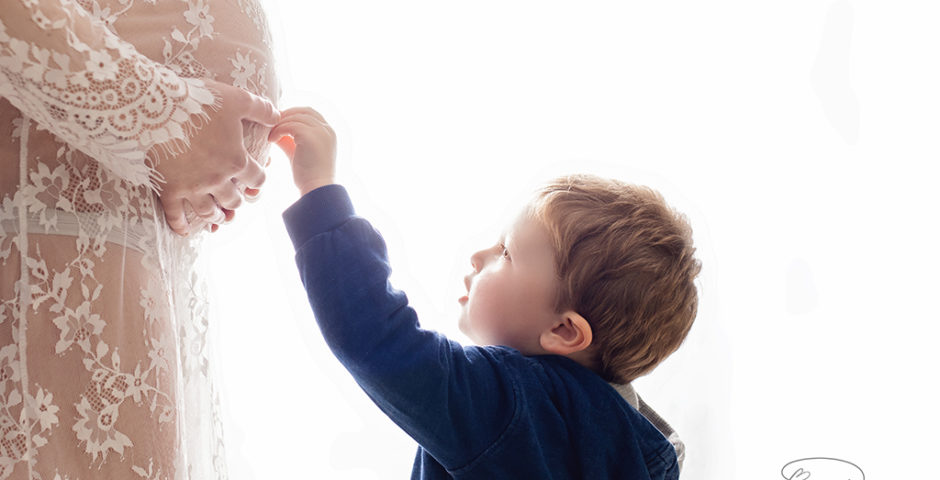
(317, 115)
(287, 144)
(275, 134)
(300, 111)
(282, 129)
(305, 115)
(294, 128)
(291, 111)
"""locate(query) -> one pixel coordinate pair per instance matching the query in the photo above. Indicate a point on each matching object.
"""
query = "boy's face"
(511, 292)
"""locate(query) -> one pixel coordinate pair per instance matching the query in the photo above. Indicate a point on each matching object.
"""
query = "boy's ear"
(570, 334)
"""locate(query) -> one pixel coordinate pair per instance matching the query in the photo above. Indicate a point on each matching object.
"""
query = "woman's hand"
(207, 175)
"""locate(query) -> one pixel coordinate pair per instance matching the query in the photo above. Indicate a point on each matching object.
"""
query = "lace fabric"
(104, 346)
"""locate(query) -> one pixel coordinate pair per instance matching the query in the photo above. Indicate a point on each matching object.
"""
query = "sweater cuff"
(318, 211)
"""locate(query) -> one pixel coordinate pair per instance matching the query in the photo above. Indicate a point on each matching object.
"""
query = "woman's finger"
(175, 216)
(205, 207)
(252, 176)
(259, 110)
(228, 196)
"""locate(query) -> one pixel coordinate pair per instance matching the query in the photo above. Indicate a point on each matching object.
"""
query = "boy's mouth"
(463, 300)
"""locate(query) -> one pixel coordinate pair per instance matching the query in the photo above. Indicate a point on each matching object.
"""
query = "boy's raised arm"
(451, 400)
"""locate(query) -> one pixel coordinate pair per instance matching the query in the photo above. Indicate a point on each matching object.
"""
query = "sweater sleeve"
(77, 79)
(454, 401)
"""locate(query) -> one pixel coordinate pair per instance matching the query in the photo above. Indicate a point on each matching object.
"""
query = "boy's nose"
(476, 261)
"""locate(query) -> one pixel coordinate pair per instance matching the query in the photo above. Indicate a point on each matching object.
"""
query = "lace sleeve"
(74, 77)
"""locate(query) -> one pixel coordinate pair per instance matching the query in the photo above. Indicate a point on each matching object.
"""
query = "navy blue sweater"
(476, 412)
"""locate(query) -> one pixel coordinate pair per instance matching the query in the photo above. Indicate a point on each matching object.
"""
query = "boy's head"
(594, 269)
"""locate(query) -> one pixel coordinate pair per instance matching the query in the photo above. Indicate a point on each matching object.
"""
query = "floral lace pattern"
(104, 316)
(112, 102)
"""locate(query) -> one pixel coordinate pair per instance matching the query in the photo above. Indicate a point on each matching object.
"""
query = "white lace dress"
(103, 318)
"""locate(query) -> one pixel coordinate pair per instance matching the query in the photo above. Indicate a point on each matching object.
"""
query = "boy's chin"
(462, 326)
(464, 329)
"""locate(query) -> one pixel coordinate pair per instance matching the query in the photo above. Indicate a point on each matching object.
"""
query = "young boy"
(592, 284)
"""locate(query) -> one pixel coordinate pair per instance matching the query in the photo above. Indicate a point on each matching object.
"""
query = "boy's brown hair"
(625, 262)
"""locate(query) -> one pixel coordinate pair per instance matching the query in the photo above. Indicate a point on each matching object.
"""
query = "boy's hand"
(310, 144)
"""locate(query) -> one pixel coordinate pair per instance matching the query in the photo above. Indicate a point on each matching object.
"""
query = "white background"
(798, 136)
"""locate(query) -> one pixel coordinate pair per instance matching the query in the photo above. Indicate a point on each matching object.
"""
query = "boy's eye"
(504, 252)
